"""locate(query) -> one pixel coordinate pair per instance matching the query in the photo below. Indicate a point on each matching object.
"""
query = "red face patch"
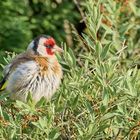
(49, 51)
(50, 42)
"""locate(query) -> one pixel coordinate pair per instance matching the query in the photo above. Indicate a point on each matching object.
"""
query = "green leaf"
(89, 41)
(75, 101)
(108, 29)
(30, 100)
(108, 116)
(41, 102)
(98, 49)
(73, 57)
(105, 50)
(53, 135)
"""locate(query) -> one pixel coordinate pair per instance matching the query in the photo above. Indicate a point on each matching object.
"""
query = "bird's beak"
(57, 49)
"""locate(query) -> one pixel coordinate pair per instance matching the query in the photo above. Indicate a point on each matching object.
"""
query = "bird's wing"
(14, 63)
(6, 74)
(3, 83)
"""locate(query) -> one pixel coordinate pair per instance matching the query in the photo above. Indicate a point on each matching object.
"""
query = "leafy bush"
(99, 95)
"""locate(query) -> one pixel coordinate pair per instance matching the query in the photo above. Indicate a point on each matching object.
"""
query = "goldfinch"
(36, 71)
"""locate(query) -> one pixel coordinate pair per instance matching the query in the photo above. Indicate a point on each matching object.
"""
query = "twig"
(123, 47)
(80, 10)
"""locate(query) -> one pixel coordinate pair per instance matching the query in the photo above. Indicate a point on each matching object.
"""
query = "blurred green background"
(21, 21)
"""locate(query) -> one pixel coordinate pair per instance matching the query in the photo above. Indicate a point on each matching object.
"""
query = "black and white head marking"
(36, 41)
(34, 44)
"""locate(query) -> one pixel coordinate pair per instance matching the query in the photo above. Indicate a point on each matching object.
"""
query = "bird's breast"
(47, 68)
(39, 77)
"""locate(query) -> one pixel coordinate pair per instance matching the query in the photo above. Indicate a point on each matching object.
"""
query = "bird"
(35, 71)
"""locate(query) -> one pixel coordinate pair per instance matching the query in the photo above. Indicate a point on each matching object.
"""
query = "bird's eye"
(48, 46)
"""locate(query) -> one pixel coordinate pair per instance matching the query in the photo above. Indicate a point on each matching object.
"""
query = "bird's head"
(44, 46)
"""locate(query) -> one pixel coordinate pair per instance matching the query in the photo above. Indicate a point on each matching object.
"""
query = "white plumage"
(26, 78)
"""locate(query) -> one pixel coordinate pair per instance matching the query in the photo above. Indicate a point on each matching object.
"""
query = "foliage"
(99, 95)
(23, 20)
